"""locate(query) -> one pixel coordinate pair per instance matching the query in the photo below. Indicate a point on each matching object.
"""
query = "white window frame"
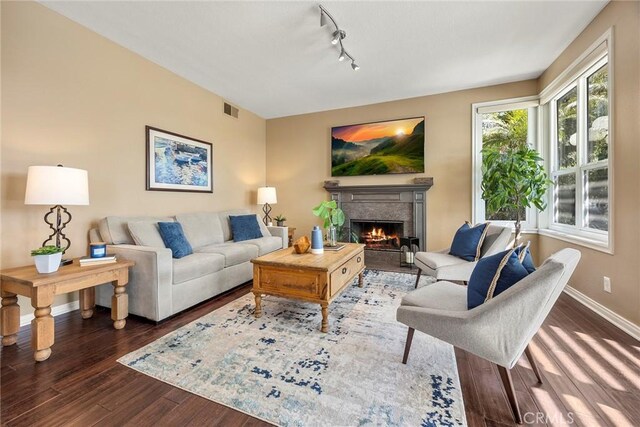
(477, 110)
(576, 75)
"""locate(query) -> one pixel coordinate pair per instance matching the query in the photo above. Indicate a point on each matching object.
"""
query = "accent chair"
(444, 266)
(500, 329)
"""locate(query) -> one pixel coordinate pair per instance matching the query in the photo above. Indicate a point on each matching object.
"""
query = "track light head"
(355, 66)
(342, 55)
(338, 35)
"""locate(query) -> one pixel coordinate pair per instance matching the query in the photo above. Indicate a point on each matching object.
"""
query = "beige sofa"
(159, 285)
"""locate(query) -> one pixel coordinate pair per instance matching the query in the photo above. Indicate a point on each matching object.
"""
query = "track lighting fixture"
(338, 36)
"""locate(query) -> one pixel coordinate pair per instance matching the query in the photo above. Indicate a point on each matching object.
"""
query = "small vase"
(47, 263)
(332, 236)
(280, 223)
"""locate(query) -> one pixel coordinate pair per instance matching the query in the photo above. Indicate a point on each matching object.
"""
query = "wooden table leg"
(325, 317)
(42, 326)
(119, 304)
(10, 315)
(258, 312)
(87, 302)
(361, 279)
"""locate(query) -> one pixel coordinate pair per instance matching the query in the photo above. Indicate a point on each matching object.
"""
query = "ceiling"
(274, 59)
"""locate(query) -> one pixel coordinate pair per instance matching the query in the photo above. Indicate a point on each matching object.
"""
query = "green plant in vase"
(334, 220)
(47, 258)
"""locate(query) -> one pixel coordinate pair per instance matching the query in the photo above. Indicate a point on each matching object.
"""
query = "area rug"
(282, 369)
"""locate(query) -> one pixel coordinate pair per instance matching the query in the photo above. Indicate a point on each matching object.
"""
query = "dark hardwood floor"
(591, 373)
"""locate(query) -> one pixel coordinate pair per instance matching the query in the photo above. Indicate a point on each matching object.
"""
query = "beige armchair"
(443, 266)
(498, 330)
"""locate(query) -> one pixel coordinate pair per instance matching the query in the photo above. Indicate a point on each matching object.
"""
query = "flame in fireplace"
(378, 235)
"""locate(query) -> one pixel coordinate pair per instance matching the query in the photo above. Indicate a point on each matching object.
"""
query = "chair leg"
(505, 375)
(418, 278)
(533, 364)
(407, 346)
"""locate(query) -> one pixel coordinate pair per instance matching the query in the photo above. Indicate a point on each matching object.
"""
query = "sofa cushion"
(244, 227)
(234, 253)
(226, 226)
(266, 244)
(201, 228)
(146, 233)
(174, 238)
(435, 260)
(440, 295)
(114, 229)
(492, 276)
(524, 255)
(467, 242)
(195, 266)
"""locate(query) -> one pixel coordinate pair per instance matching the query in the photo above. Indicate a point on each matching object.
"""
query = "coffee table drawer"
(302, 283)
(346, 272)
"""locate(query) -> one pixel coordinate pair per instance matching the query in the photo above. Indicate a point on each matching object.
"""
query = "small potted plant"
(280, 219)
(47, 258)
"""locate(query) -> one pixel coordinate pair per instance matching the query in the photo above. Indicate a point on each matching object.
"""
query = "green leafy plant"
(330, 213)
(46, 250)
(513, 178)
(280, 218)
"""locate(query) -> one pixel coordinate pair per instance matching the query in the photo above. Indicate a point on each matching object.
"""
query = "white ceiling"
(274, 59)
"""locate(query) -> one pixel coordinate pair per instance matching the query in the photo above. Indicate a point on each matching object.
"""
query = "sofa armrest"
(150, 280)
(282, 232)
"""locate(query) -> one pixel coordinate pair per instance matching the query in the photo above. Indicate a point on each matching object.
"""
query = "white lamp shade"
(267, 195)
(56, 185)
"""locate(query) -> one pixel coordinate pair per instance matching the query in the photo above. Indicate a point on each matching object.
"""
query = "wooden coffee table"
(42, 288)
(307, 277)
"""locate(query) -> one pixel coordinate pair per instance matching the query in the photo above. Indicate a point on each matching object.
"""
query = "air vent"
(230, 110)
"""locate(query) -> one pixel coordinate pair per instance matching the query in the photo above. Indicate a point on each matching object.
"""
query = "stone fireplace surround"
(404, 202)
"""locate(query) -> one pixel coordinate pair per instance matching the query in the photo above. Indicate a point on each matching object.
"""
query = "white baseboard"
(614, 318)
(55, 311)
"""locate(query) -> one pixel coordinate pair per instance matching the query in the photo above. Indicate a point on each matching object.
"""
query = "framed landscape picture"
(178, 163)
(379, 148)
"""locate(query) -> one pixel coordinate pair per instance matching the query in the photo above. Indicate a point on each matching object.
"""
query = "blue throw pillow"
(245, 227)
(492, 276)
(468, 241)
(524, 255)
(174, 238)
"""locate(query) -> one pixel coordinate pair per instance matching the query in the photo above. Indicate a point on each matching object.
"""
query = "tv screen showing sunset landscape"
(379, 148)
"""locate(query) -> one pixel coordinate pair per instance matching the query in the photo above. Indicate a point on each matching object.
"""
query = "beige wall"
(298, 155)
(623, 267)
(75, 98)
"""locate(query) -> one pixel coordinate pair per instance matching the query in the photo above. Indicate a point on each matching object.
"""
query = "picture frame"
(379, 148)
(177, 162)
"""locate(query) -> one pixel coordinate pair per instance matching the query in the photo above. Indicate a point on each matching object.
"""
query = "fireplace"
(378, 235)
(379, 215)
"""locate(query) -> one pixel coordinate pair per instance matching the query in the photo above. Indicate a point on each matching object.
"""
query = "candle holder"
(408, 248)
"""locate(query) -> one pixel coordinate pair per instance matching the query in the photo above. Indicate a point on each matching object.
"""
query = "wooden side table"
(42, 288)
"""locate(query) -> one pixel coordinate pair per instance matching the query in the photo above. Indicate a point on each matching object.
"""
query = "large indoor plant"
(513, 179)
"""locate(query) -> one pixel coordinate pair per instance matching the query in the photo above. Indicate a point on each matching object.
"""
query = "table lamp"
(267, 197)
(57, 186)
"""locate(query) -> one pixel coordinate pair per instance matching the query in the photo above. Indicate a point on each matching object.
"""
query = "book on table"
(334, 248)
(86, 261)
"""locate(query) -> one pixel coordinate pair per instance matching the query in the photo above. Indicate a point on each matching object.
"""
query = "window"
(579, 155)
(502, 122)
(579, 124)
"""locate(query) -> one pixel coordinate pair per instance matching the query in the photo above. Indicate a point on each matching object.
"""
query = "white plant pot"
(48, 263)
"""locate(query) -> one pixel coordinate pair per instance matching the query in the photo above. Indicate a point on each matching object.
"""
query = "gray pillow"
(146, 233)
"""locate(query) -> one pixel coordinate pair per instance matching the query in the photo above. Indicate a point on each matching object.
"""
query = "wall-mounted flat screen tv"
(391, 147)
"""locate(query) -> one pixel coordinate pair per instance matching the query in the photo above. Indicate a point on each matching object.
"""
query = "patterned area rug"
(282, 369)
